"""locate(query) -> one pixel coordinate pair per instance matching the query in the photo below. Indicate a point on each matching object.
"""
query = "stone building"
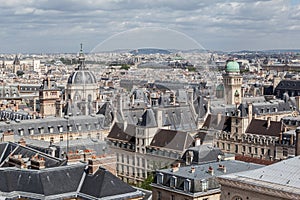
(82, 90)
(276, 181)
(196, 182)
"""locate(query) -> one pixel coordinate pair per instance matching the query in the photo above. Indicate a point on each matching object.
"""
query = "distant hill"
(149, 51)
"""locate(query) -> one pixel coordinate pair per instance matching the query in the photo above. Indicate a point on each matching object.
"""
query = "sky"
(59, 26)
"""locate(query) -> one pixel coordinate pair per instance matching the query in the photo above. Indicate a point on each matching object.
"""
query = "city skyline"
(58, 26)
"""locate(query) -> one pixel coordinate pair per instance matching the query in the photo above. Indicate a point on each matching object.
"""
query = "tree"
(146, 184)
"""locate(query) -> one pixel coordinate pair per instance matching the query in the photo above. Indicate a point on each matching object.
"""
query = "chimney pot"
(193, 169)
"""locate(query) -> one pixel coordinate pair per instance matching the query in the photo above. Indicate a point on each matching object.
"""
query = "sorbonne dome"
(82, 90)
(82, 77)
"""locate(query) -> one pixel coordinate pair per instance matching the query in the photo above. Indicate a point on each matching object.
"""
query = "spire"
(81, 59)
(16, 60)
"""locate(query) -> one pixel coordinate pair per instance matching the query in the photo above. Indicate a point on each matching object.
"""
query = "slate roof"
(96, 123)
(148, 119)
(118, 132)
(11, 149)
(103, 184)
(283, 176)
(260, 127)
(203, 154)
(222, 124)
(171, 139)
(63, 182)
(201, 170)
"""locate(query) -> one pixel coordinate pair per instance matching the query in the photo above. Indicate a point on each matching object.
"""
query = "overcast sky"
(41, 26)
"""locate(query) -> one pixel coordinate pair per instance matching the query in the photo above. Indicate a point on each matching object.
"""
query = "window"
(69, 127)
(159, 195)
(78, 127)
(173, 181)
(244, 148)
(285, 151)
(204, 185)
(223, 146)
(160, 178)
(187, 185)
(21, 132)
(31, 131)
(61, 138)
(51, 139)
(249, 149)
(236, 148)
(255, 150)
(50, 129)
(41, 130)
(172, 197)
(262, 151)
(228, 147)
(60, 129)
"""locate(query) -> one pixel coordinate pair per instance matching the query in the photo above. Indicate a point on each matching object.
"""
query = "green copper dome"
(232, 66)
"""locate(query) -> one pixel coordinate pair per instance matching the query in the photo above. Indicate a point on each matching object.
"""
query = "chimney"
(210, 170)
(219, 118)
(94, 165)
(297, 152)
(37, 163)
(222, 168)
(197, 142)
(176, 167)
(268, 122)
(22, 142)
(192, 169)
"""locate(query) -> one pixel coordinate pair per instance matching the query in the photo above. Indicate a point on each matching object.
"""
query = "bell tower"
(49, 94)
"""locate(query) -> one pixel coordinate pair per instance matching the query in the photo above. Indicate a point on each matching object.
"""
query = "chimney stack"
(22, 142)
(192, 169)
(269, 122)
(197, 142)
(222, 168)
(210, 171)
(37, 163)
(297, 150)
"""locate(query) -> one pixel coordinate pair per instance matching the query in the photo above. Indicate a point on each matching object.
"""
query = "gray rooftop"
(283, 175)
(201, 171)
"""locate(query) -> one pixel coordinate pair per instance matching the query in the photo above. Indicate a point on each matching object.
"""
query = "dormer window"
(204, 185)
(31, 130)
(187, 185)
(69, 127)
(51, 129)
(173, 181)
(88, 126)
(160, 178)
(41, 130)
(21, 131)
(60, 128)
(78, 126)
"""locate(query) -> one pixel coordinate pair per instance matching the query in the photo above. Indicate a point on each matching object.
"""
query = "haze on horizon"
(58, 26)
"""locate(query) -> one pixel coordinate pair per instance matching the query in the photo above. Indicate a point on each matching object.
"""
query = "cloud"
(217, 24)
